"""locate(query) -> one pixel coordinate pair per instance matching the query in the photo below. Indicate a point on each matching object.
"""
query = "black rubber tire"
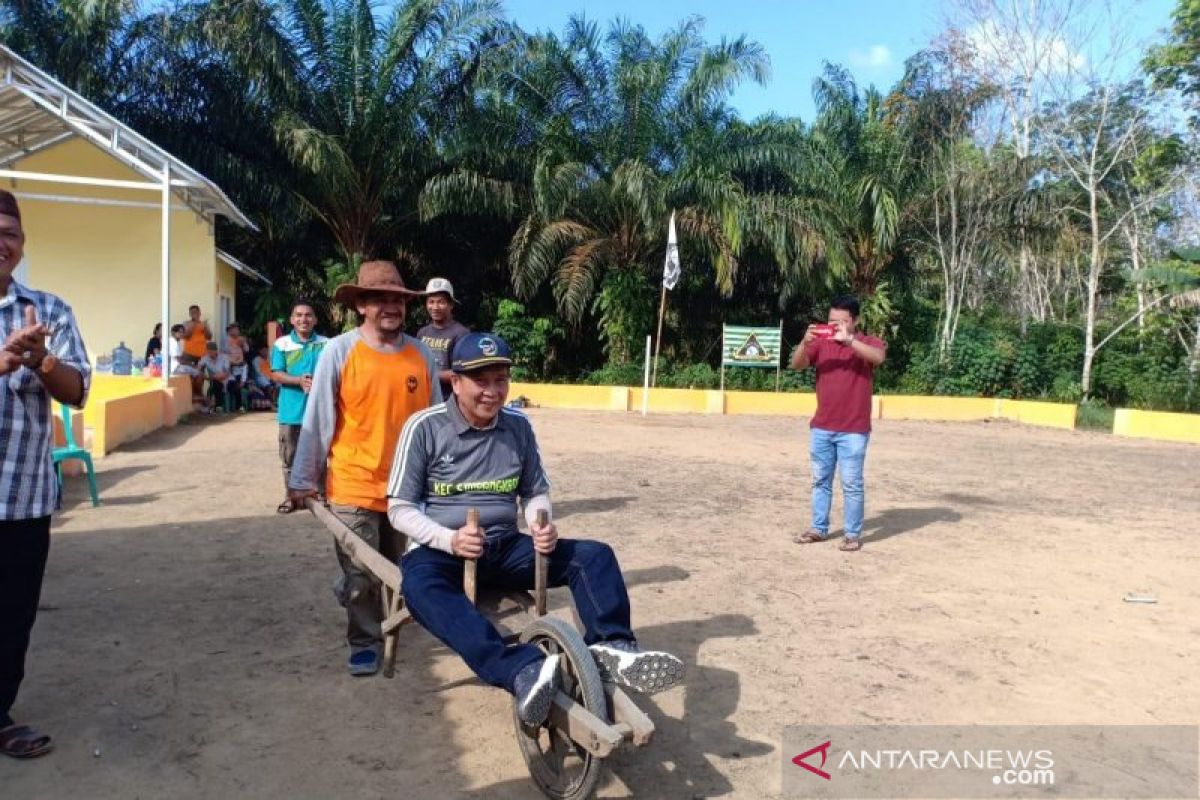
(579, 679)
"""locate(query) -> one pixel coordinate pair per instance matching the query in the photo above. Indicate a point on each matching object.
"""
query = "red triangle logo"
(823, 749)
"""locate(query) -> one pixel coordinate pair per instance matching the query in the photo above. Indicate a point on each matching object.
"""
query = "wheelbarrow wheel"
(560, 767)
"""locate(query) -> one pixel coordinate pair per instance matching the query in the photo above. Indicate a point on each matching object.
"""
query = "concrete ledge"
(580, 398)
(940, 409)
(123, 408)
(1157, 425)
(1033, 412)
(711, 401)
(124, 419)
(678, 401)
(786, 403)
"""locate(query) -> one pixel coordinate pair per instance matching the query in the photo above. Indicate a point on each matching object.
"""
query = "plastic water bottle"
(122, 360)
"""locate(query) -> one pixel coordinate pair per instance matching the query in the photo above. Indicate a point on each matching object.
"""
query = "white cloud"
(1003, 52)
(876, 56)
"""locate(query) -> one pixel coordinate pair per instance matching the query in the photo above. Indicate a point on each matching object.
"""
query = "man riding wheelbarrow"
(473, 452)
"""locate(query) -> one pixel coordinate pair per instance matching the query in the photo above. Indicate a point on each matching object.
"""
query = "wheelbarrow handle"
(540, 566)
(469, 569)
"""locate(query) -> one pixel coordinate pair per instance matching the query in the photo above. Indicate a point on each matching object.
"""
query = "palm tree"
(611, 132)
(86, 44)
(857, 178)
(355, 104)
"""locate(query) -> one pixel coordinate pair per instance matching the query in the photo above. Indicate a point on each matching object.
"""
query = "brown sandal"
(22, 741)
(851, 545)
(809, 537)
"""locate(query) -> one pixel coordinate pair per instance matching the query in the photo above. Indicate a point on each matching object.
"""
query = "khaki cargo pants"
(357, 591)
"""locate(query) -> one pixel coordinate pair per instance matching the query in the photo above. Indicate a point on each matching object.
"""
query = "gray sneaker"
(535, 686)
(648, 671)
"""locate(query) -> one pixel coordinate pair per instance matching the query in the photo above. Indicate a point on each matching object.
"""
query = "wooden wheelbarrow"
(589, 718)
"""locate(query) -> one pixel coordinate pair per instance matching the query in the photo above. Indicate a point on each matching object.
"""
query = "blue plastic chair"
(71, 450)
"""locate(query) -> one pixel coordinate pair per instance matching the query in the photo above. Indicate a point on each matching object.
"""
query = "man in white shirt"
(222, 386)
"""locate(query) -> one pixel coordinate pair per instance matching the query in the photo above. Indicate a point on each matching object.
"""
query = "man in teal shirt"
(293, 362)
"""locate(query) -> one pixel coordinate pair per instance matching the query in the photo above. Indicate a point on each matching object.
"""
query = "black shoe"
(535, 687)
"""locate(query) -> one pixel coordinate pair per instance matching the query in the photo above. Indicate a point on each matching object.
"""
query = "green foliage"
(616, 375)
(532, 339)
(625, 305)
(991, 361)
(1094, 415)
(438, 134)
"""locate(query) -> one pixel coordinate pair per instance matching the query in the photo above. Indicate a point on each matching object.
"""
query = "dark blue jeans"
(433, 591)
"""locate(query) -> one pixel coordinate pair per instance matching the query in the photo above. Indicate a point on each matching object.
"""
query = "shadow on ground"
(897, 521)
(207, 659)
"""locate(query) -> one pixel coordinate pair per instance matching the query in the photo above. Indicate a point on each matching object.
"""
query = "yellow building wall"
(105, 260)
(1157, 425)
(226, 291)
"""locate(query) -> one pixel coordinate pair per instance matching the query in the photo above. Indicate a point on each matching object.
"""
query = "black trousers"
(24, 545)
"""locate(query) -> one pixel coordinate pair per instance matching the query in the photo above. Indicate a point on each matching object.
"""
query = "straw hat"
(373, 276)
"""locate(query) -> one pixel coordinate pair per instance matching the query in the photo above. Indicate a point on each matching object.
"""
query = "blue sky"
(871, 37)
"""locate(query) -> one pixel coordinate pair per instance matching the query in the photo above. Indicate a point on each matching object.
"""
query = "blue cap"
(479, 350)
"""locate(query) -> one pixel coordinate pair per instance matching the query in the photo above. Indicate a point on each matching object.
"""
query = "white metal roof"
(242, 268)
(37, 112)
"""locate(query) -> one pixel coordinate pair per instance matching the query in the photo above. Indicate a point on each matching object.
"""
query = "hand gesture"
(28, 343)
(9, 362)
(306, 383)
(810, 333)
(545, 537)
(842, 334)
(468, 542)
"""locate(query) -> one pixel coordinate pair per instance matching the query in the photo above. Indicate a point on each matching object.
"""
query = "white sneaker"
(648, 671)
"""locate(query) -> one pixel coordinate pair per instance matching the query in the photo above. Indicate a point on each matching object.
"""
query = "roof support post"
(166, 278)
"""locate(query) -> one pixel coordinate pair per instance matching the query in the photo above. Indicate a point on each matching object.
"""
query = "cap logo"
(487, 346)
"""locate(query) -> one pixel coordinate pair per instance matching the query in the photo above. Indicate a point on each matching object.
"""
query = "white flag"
(671, 268)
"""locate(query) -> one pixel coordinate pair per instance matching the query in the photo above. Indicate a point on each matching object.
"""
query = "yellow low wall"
(710, 401)
(788, 403)
(123, 419)
(1157, 425)
(942, 409)
(1034, 412)
(678, 401)
(121, 408)
(580, 398)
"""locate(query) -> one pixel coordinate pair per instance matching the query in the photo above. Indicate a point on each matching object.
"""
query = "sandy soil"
(189, 644)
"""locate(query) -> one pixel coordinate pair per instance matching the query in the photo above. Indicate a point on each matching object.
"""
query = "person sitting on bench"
(474, 452)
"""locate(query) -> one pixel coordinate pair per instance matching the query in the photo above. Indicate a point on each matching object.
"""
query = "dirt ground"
(189, 644)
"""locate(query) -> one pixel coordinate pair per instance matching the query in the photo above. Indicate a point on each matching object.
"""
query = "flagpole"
(670, 278)
(662, 307)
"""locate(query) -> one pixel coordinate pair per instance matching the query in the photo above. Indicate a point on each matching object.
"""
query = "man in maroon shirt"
(845, 362)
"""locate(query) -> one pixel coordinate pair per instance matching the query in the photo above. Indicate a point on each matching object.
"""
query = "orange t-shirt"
(197, 342)
(377, 393)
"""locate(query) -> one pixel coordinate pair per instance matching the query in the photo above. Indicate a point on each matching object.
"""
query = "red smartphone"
(823, 330)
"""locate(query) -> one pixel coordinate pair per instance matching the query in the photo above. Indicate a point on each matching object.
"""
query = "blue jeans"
(433, 591)
(828, 450)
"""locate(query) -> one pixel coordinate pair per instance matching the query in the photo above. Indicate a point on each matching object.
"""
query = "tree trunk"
(1194, 363)
(1093, 289)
